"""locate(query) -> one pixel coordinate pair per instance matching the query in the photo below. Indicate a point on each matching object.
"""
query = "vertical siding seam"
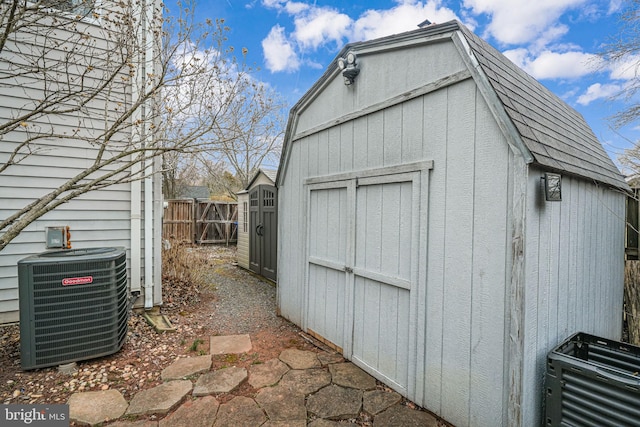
(471, 267)
(444, 257)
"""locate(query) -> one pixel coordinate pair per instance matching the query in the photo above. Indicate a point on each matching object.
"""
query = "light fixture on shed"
(349, 67)
(552, 187)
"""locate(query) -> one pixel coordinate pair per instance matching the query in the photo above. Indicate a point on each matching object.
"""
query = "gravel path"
(244, 303)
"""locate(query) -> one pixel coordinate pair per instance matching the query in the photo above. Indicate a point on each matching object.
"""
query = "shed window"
(245, 216)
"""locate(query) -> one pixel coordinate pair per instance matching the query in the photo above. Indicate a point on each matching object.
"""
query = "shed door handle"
(259, 229)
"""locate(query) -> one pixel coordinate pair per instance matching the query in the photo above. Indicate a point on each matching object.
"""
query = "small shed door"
(366, 250)
(328, 229)
(385, 276)
(263, 231)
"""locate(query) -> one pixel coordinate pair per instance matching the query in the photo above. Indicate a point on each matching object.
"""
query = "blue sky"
(553, 40)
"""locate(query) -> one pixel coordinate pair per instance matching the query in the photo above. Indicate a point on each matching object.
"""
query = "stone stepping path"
(299, 388)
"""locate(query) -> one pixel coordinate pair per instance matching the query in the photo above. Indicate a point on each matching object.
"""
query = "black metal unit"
(592, 381)
(73, 305)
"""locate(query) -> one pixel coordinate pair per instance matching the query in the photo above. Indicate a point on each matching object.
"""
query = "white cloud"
(598, 91)
(316, 27)
(279, 54)
(320, 26)
(404, 17)
(554, 65)
(523, 21)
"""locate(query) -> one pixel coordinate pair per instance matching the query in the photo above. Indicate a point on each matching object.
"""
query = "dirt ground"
(145, 353)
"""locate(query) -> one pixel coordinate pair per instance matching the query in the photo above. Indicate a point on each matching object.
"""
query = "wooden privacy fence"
(200, 221)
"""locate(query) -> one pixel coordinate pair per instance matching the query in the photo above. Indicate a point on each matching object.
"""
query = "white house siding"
(98, 218)
(460, 315)
(574, 268)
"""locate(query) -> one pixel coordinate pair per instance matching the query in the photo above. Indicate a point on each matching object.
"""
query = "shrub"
(184, 273)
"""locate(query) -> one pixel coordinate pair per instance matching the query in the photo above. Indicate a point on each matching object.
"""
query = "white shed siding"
(572, 284)
(242, 245)
(463, 295)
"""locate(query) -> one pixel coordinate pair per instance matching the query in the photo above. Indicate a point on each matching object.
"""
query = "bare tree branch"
(122, 86)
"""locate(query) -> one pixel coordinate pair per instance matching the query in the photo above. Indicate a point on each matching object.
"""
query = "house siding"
(97, 218)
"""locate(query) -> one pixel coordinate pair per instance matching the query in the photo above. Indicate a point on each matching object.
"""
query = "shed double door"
(363, 271)
(263, 231)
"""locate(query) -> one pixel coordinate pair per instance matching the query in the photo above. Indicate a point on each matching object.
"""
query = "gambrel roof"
(557, 135)
(541, 126)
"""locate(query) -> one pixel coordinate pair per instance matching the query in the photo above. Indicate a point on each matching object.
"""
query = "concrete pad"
(335, 402)
(349, 375)
(376, 401)
(220, 381)
(328, 358)
(282, 404)
(229, 344)
(401, 416)
(141, 423)
(160, 399)
(240, 412)
(95, 407)
(306, 381)
(185, 367)
(300, 359)
(200, 412)
(266, 374)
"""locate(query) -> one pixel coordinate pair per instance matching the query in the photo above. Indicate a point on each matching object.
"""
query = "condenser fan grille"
(72, 307)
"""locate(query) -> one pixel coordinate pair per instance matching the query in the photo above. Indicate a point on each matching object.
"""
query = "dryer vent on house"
(73, 305)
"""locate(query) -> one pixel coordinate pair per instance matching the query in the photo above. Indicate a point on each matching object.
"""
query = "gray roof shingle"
(557, 135)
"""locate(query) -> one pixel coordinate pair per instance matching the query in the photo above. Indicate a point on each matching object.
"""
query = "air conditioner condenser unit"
(73, 305)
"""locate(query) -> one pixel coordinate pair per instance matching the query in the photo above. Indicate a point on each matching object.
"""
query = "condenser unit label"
(77, 281)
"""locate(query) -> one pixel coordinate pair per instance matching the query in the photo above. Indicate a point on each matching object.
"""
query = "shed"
(257, 230)
(418, 239)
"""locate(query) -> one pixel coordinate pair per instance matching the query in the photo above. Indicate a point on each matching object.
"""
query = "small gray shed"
(418, 238)
(257, 225)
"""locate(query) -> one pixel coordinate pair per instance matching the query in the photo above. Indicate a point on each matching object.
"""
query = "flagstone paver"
(94, 407)
(160, 399)
(267, 374)
(376, 401)
(299, 359)
(186, 367)
(335, 402)
(229, 344)
(282, 404)
(328, 358)
(296, 423)
(349, 375)
(220, 381)
(240, 412)
(200, 412)
(321, 422)
(401, 416)
(289, 389)
(306, 381)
